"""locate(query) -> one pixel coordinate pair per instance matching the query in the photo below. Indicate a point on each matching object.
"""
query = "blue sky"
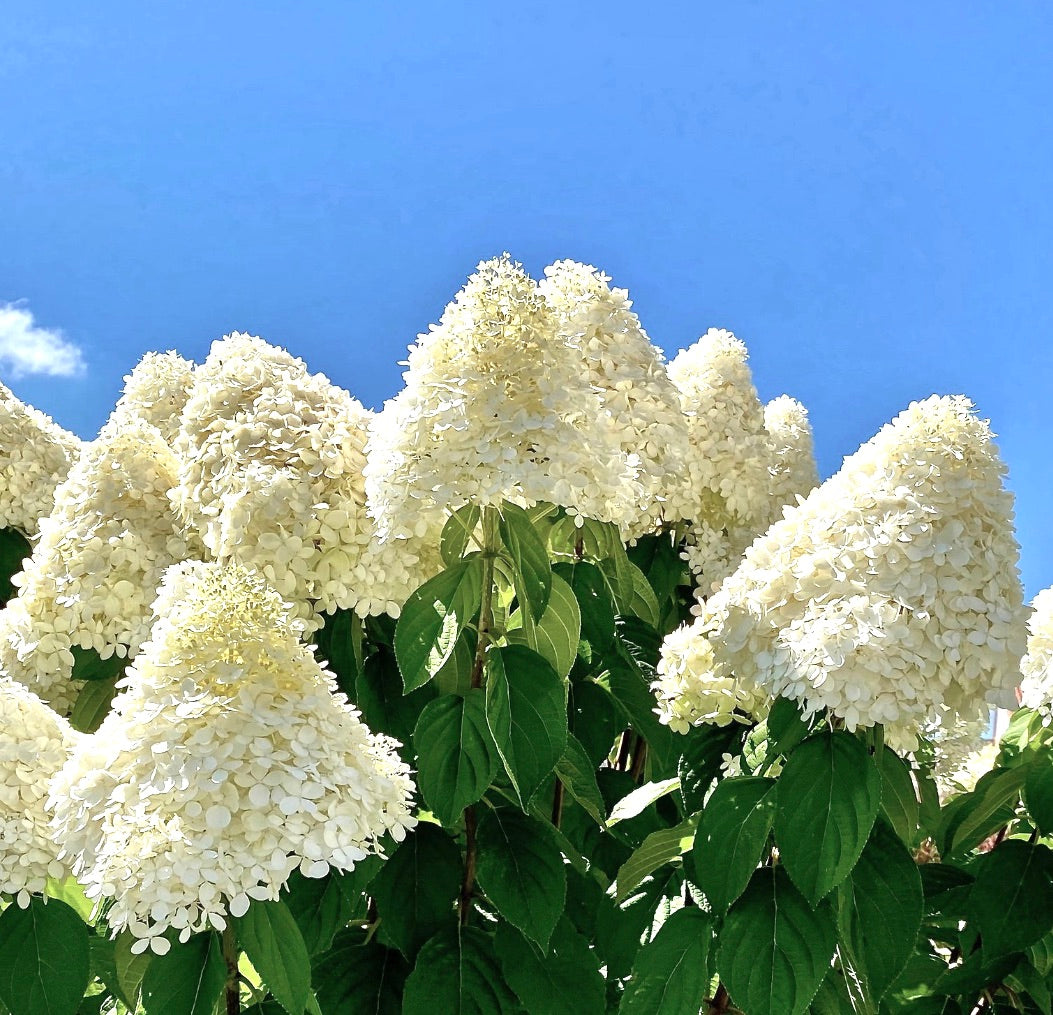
(861, 192)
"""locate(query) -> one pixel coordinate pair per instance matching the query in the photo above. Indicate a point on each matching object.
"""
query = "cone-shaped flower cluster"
(34, 744)
(156, 391)
(229, 761)
(1036, 691)
(793, 471)
(497, 405)
(35, 456)
(271, 475)
(98, 562)
(729, 474)
(889, 594)
(629, 373)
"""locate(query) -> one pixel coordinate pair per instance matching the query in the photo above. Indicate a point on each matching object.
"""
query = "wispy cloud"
(26, 348)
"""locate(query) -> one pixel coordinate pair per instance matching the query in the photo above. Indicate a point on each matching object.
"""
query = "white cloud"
(28, 349)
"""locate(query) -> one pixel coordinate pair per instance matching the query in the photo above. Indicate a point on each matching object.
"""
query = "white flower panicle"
(97, 564)
(36, 454)
(229, 761)
(1036, 691)
(497, 406)
(271, 475)
(156, 391)
(691, 690)
(629, 373)
(726, 474)
(793, 472)
(889, 595)
(34, 744)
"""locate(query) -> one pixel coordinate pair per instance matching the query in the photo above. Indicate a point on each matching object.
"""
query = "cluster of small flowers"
(35, 456)
(156, 391)
(98, 562)
(271, 475)
(889, 594)
(691, 689)
(1036, 691)
(229, 761)
(629, 373)
(497, 406)
(746, 461)
(792, 471)
(34, 744)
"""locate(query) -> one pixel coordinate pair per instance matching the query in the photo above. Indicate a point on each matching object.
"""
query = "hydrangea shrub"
(561, 684)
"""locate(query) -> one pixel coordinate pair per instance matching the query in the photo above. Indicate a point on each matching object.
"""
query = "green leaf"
(578, 775)
(703, 750)
(882, 907)
(786, 726)
(270, 937)
(659, 848)
(567, 982)
(379, 694)
(457, 533)
(1038, 794)
(456, 974)
(89, 665)
(456, 756)
(899, 799)
(433, 618)
(732, 834)
(826, 803)
(339, 644)
(70, 891)
(621, 926)
(595, 719)
(320, 907)
(589, 586)
(520, 869)
(970, 818)
(640, 799)
(188, 980)
(359, 977)
(555, 635)
(1011, 901)
(455, 677)
(14, 548)
(632, 691)
(416, 889)
(775, 949)
(671, 973)
(44, 959)
(526, 710)
(93, 705)
(533, 572)
(131, 968)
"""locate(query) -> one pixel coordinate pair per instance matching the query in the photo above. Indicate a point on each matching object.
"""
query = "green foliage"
(573, 854)
(270, 937)
(188, 980)
(14, 548)
(775, 948)
(456, 756)
(827, 800)
(44, 959)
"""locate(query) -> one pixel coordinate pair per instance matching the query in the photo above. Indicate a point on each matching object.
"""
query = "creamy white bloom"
(97, 564)
(156, 391)
(271, 475)
(35, 456)
(34, 744)
(497, 406)
(629, 373)
(889, 594)
(691, 689)
(1036, 691)
(229, 761)
(792, 469)
(725, 489)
